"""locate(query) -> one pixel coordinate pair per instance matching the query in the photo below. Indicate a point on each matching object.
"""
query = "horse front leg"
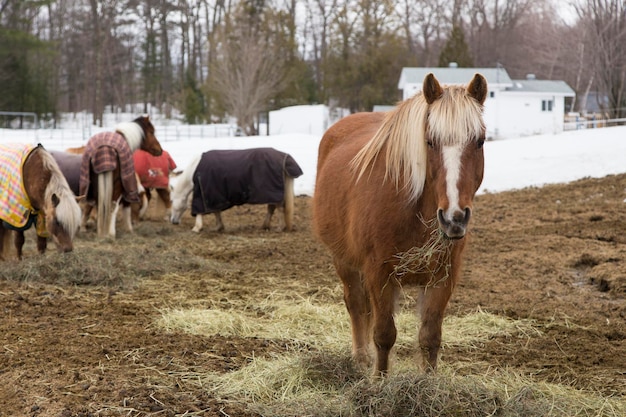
(18, 242)
(383, 292)
(86, 210)
(127, 217)
(268, 217)
(433, 304)
(358, 305)
(198, 225)
(42, 244)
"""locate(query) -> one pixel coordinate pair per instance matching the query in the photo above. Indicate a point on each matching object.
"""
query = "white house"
(513, 108)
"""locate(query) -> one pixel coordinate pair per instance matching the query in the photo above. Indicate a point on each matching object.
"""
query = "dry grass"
(317, 377)
(432, 258)
(313, 375)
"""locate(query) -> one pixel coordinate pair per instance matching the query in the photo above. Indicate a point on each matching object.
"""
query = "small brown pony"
(108, 162)
(47, 200)
(393, 199)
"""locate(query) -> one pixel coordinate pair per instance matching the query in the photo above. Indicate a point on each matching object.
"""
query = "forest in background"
(215, 58)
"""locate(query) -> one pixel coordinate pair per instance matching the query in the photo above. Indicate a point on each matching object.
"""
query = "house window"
(546, 105)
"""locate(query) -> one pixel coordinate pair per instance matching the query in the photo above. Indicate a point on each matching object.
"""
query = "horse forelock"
(67, 211)
(132, 132)
(401, 137)
(455, 118)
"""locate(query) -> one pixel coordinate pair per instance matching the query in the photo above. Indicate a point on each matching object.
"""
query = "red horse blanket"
(102, 154)
(153, 171)
(227, 178)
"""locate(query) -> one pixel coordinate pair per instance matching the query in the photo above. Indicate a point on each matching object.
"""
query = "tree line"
(211, 59)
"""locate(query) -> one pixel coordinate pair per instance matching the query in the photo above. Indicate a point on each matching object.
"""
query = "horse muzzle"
(454, 227)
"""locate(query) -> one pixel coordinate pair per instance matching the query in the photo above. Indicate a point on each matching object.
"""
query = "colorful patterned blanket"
(227, 178)
(153, 171)
(102, 154)
(15, 207)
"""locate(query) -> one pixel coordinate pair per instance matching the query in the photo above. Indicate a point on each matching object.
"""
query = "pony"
(108, 162)
(221, 179)
(69, 162)
(35, 192)
(392, 202)
(154, 174)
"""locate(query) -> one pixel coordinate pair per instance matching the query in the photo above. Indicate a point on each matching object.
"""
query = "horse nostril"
(440, 217)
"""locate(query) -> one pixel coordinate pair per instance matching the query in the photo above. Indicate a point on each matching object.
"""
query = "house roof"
(542, 86)
(452, 75)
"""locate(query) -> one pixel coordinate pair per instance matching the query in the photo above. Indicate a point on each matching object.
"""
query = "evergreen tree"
(456, 50)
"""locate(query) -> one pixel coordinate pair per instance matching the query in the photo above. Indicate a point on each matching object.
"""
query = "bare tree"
(424, 24)
(248, 70)
(604, 27)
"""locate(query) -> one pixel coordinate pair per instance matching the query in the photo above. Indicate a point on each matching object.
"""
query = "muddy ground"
(555, 255)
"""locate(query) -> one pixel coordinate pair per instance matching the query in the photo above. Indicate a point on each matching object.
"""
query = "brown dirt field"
(555, 255)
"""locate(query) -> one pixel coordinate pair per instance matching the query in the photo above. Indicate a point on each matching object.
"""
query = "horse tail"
(288, 203)
(105, 200)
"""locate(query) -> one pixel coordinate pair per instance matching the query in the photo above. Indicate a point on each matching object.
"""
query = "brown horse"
(393, 199)
(33, 178)
(108, 162)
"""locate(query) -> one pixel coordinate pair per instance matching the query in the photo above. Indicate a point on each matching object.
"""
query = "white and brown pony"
(108, 162)
(220, 179)
(392, 202)
(32, 177)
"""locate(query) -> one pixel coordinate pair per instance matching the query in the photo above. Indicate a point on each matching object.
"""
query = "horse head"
(51, 195)
(454, 135)
(62, 220)
(182, 190)
(149, 142)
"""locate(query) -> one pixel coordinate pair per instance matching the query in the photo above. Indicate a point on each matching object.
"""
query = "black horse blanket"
(70, 167)
(227, 178)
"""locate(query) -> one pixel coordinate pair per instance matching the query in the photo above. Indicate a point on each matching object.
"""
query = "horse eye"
(480, 143)
(430, 143)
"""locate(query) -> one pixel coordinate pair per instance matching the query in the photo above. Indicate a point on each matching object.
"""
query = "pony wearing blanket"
(35, 193)
(393, 199)
(221, 179)
(154, 174)
(70, 163)
(107, 161)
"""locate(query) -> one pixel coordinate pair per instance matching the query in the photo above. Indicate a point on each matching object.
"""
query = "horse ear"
(477, 88)
(55, 200)
(431, 88)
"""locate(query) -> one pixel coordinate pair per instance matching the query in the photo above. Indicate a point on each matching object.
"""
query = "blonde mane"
(68, 211)
(454, 118)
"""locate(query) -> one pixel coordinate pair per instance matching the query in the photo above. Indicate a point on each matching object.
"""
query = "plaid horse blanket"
(103, 152)
(227, 178)
(16, 211)
(15, 207)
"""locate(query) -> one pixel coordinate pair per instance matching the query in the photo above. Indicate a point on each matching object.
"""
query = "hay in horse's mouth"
(430, 258)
